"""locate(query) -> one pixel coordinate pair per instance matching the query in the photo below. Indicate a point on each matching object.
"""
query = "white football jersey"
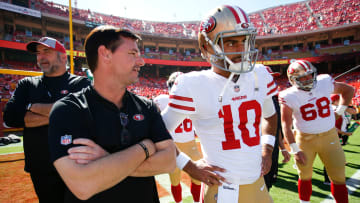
(229, 131)
(312, 110)
(185, 131)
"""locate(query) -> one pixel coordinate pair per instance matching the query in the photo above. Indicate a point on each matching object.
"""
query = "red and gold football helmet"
(299, 69)
(228, 21)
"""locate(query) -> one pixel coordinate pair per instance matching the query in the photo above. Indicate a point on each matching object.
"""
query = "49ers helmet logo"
(245, 25)
(208, 25)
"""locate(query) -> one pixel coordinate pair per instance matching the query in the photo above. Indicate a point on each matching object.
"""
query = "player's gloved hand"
(300, 157)
(90, 151)
(204, 172)
(266, 159)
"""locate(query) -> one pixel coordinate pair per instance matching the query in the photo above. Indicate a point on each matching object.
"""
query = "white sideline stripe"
(352, 184)
(11, 153)
(164, 181)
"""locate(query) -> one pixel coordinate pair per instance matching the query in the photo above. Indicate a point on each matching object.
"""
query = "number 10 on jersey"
(227, 115)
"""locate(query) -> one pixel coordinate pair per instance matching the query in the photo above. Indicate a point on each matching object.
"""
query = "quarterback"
(307, 107)
(231, 108)
(184, 138)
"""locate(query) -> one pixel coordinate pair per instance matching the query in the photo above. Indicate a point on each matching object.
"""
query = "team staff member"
(29, 107)
(184, 138)
(128, 127)
(308, 102)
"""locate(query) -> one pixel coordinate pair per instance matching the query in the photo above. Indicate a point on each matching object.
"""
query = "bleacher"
(284, 19)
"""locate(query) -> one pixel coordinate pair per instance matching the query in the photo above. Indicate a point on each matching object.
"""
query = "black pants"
(271, 177)
(49, 187)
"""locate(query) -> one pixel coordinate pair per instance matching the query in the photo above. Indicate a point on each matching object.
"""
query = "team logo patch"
(138, 117)
(64, 91)
(208, 25)
(66, 140)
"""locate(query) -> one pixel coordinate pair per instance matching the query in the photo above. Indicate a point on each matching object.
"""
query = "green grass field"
(285, 189)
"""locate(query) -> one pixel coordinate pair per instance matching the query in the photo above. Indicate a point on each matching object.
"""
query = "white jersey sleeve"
(162, 101)
(181, 95)
(185, 131)
(271, 90)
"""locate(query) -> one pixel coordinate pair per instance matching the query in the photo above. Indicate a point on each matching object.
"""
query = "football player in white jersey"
(226, 105)
(307, 106)
(184, 138)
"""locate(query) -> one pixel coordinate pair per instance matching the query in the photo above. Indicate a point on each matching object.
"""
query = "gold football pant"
(328, 147)
(255, 192)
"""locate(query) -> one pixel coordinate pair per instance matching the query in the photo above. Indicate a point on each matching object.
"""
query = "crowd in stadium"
(290, 18)
(151, 87)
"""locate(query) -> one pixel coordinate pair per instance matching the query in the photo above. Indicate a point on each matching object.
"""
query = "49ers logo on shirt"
(138, 117)
(64, 91)
(208, 25)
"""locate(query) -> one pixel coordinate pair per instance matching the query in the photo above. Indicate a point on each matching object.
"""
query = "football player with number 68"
(308, 103)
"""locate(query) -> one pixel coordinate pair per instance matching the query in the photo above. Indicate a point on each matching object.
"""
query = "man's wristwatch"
(29, 107)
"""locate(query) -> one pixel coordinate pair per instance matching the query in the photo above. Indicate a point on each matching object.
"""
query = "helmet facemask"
(300, 69)
(306, 85)
(222, 59)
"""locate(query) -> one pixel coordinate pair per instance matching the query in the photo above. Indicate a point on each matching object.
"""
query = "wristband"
(145, 149)
(294, 148)
(283, 150)
(340, 109)
(181, 160)
(268, 139)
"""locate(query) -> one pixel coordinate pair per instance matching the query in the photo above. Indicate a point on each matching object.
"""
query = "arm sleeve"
(268, 108)
(15, 109)
(181, 97)
(271, 86)
(285, 99)
(172, 118)
(66, 123)
(326, 82)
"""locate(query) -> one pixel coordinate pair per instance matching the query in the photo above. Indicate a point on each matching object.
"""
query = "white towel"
(228, 193)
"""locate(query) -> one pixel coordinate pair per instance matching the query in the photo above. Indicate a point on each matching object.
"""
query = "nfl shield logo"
(236, 88)
(66, 139)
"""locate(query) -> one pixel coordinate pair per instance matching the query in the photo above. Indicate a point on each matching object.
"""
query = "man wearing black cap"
(29, 108)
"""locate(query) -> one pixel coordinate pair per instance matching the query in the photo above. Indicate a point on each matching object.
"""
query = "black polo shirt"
(86, 114)
(39, 89)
